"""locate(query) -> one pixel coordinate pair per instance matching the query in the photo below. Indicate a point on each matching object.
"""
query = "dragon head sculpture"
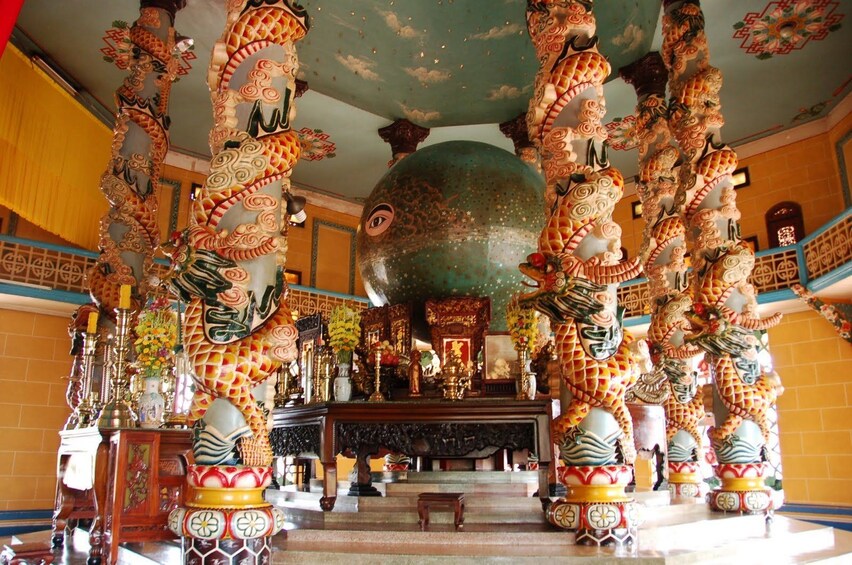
(714, 333)
(562, 292)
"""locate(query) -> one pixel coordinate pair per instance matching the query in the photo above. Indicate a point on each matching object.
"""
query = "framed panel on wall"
(310, 337)
(399, 321)
(460, 346)
(501, 358)
(333, 257)
(292, 276)
(170, 191)
(500, 365)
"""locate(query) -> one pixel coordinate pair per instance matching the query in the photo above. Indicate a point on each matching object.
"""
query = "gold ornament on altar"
(456, 380)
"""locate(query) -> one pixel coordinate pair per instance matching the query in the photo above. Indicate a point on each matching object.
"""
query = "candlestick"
(88, 408)
(377, 395)
(93, 323)
(117, 412)
(124, 297)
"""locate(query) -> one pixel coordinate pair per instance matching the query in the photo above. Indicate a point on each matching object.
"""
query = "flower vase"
(342, 383)
(525, 385)
(151, 404)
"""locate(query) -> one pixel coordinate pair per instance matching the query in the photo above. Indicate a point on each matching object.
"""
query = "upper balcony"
(46, 277)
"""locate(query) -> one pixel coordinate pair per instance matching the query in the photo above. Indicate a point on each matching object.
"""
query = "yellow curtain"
(52, 153)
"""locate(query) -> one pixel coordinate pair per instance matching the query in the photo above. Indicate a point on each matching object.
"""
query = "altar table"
(473, 428)
(126, 481)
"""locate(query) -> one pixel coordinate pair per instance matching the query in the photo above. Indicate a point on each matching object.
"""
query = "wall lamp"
(296, 208)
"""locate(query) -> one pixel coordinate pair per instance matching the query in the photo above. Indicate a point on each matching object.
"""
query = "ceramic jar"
(342, 383)
(151, 404)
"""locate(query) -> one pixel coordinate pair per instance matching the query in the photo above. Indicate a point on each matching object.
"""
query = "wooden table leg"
(329, 485)
(459, 515)
(364, 483)
(423, 514)
(97, 530)
(543, 484)
(64, 504)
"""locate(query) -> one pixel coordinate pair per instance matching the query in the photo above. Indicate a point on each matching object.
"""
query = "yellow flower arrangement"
(522, 323)
(156, 335)
(344, 332)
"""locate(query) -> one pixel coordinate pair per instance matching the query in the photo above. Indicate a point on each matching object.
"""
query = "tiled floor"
(688, 534)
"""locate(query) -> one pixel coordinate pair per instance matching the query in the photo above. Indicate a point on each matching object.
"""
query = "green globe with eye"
(451, 219)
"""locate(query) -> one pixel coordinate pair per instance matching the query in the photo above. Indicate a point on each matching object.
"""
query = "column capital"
(403, 137)
(170, 6)
(647, 75)
(301, 87)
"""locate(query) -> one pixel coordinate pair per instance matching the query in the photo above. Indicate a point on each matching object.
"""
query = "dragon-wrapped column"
(663, 254)
(723, 316)
(577, 269)
(128, 232)
(229, 267)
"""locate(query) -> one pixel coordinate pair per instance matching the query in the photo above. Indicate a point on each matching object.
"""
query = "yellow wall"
(33, 361)
(332, 251)
(806, 172)
(815, 411)
(333, 245)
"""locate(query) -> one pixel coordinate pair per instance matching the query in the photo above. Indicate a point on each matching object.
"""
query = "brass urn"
(456, 380)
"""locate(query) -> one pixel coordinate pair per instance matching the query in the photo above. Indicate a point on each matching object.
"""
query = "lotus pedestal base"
(227, 522)
(596, 507)
(742, 491)
(684, 481)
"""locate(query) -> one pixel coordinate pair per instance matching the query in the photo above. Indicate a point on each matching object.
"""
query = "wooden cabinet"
(127, 481)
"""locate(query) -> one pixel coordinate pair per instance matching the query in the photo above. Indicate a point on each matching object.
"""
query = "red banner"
(9, 11)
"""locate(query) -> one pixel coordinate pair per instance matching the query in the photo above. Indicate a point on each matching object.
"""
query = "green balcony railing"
(53, 272)
(818, 261)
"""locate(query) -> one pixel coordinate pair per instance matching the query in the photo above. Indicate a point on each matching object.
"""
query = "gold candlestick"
(377, 395)
(117, 413)
(87, 410)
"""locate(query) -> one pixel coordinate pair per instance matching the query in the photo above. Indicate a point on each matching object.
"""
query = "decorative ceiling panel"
(459, 67)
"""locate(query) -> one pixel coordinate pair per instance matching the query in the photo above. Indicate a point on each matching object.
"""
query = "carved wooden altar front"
(432, 428)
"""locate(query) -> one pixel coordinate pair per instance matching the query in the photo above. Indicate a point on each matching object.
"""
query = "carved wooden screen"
(784, 224)
(375, 326)
(310, 338)
(459, 323)
(399, 324)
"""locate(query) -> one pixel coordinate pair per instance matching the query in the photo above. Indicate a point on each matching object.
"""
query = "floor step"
(478, 477)
(502, 489)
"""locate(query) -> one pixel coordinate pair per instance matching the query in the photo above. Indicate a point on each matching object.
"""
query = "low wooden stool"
(27, 554)
(427, 500)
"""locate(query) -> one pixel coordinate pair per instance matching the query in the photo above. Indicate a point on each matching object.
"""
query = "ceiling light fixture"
(48, 67)
(787, 30)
